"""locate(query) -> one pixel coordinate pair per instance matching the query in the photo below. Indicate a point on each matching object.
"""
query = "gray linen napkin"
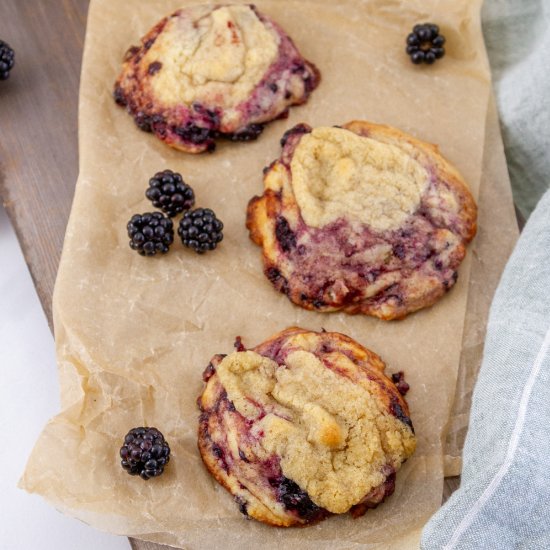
(504, 498)
(517, 36)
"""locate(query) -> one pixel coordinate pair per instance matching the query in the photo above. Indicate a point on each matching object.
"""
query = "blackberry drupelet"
(425, 44)
(7, 60)
(144, 453)
(150, 233)
(170, 193)
(200, 230)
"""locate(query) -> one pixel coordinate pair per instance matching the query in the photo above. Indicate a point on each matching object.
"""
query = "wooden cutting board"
(39, 147)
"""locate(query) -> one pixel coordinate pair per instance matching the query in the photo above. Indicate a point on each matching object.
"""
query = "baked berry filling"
(296, 500)
(341, 263)
(255, 475)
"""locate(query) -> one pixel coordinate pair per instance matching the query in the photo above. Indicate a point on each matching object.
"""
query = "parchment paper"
(497, 234)
(133, 334)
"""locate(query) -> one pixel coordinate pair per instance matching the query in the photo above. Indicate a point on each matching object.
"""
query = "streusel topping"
(221, 56)
(339, 174)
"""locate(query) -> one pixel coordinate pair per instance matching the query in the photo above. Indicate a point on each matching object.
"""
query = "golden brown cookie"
(213, 71)
(303, 426)
(361, 218)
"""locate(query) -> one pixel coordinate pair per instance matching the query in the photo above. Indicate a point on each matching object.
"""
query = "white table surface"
(29, 396)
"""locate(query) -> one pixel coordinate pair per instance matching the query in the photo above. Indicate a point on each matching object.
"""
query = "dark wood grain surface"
(38, 143)
(38, 128)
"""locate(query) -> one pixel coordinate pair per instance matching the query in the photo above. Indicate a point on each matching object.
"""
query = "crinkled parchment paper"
(134, 334)
(497, 234)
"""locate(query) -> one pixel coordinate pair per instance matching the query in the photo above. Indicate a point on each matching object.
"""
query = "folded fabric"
(504, 498)
(517, 36)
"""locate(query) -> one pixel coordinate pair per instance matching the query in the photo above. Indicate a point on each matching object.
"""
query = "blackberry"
(144, 453)
(150, 233)
(397, 410)
(170, 193)
(425, 44)
(296, 500)
(7, 60)
(143, 121)
(249, 133)
(200, 230)
(119, 97)
(284, 234)
(195, 134)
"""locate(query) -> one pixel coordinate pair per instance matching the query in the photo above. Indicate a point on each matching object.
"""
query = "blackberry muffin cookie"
(213, 71)
(361, 218)
(303, 426)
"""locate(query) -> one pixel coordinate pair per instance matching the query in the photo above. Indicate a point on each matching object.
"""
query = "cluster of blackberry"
(153, 232)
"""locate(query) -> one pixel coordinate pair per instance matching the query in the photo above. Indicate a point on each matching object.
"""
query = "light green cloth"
(504, 498)
(517, 35)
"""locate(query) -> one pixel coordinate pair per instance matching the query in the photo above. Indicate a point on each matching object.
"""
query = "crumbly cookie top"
(338, 174)
(215, 56)
(333, 436)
